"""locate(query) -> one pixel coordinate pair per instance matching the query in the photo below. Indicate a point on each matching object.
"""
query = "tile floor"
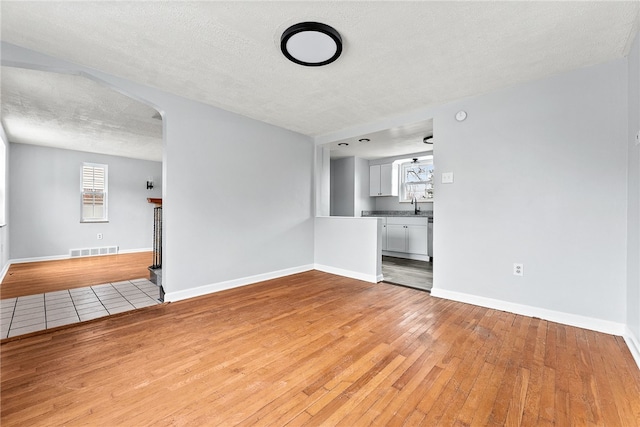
(32, 313)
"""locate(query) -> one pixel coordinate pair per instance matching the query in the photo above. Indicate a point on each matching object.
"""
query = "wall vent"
(105, 250)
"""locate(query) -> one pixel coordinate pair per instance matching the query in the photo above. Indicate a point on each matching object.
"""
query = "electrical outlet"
(99, 236)
(518, 269)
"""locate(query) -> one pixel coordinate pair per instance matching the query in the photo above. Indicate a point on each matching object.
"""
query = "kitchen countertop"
(427, 214)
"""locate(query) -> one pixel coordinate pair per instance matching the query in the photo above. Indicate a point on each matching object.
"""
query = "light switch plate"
(447, 177)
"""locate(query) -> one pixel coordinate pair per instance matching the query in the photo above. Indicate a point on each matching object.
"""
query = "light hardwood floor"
(408, 272)
(318, 349)
(50, 276)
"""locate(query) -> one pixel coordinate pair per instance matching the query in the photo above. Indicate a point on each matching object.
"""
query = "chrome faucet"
(416, 209)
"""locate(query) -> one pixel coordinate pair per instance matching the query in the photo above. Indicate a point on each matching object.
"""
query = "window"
(416, 180)
(93, 192)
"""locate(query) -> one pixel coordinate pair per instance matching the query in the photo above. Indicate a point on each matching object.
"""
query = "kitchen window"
(416, 180)
(93, 192)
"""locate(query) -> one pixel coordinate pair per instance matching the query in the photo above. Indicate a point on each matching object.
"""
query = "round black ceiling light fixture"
(312, 44)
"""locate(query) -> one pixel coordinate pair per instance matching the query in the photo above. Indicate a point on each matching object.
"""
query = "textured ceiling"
(398, 56)
(76, 113)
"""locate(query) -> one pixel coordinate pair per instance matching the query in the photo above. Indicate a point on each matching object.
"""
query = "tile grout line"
(46, 323)
(15, 307)
(74, 305)
(138, 287)
(15, 304)
(125, 298)
(101, 303)
(44, 303)
(13, 313)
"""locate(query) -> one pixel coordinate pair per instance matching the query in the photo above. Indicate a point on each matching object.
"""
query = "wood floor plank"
(534, 360)
(48, 276)
(604, 392)
(317, 349)
(517, 401)
(546, 411)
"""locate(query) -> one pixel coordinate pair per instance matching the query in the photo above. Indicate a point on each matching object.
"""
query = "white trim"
(38, 259)
(134, 251)
(4, 271)
(347, 273)
(235, 283)
(634, 345)
(67, 256)
(599, 325)
(380, 278)
(405, 255)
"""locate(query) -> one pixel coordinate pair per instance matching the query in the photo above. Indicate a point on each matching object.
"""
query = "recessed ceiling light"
(342, 144)
(364, 140)
(311, 44)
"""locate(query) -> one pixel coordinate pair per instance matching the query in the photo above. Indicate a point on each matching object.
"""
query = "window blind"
(94, 192)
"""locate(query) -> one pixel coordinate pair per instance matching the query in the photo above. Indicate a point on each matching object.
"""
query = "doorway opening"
(61, 126)
(408, 272)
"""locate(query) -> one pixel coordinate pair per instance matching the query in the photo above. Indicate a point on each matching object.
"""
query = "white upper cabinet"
(374, 180)
(383, 180)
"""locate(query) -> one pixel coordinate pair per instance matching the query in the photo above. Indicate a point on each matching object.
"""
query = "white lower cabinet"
(396, 237)
(417, 239)
(406, 235)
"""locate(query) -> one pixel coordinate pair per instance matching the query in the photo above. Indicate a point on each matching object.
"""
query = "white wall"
(237, 193)
(238, 198)
(4, 187)
(342, 186)
(350, 247)
(45, 202)
(540, 179)
(633, 212)
(361, 199)
(323, 181)
(350, 187)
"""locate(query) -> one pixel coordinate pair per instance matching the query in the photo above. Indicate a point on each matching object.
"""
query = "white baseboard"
(67, 256)
(38, 259)
(416, 257)
(576, 320)
(135, 251)
(230, 284)
(634, 345)
(4, 271)
(380, 278)
(347, 273)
